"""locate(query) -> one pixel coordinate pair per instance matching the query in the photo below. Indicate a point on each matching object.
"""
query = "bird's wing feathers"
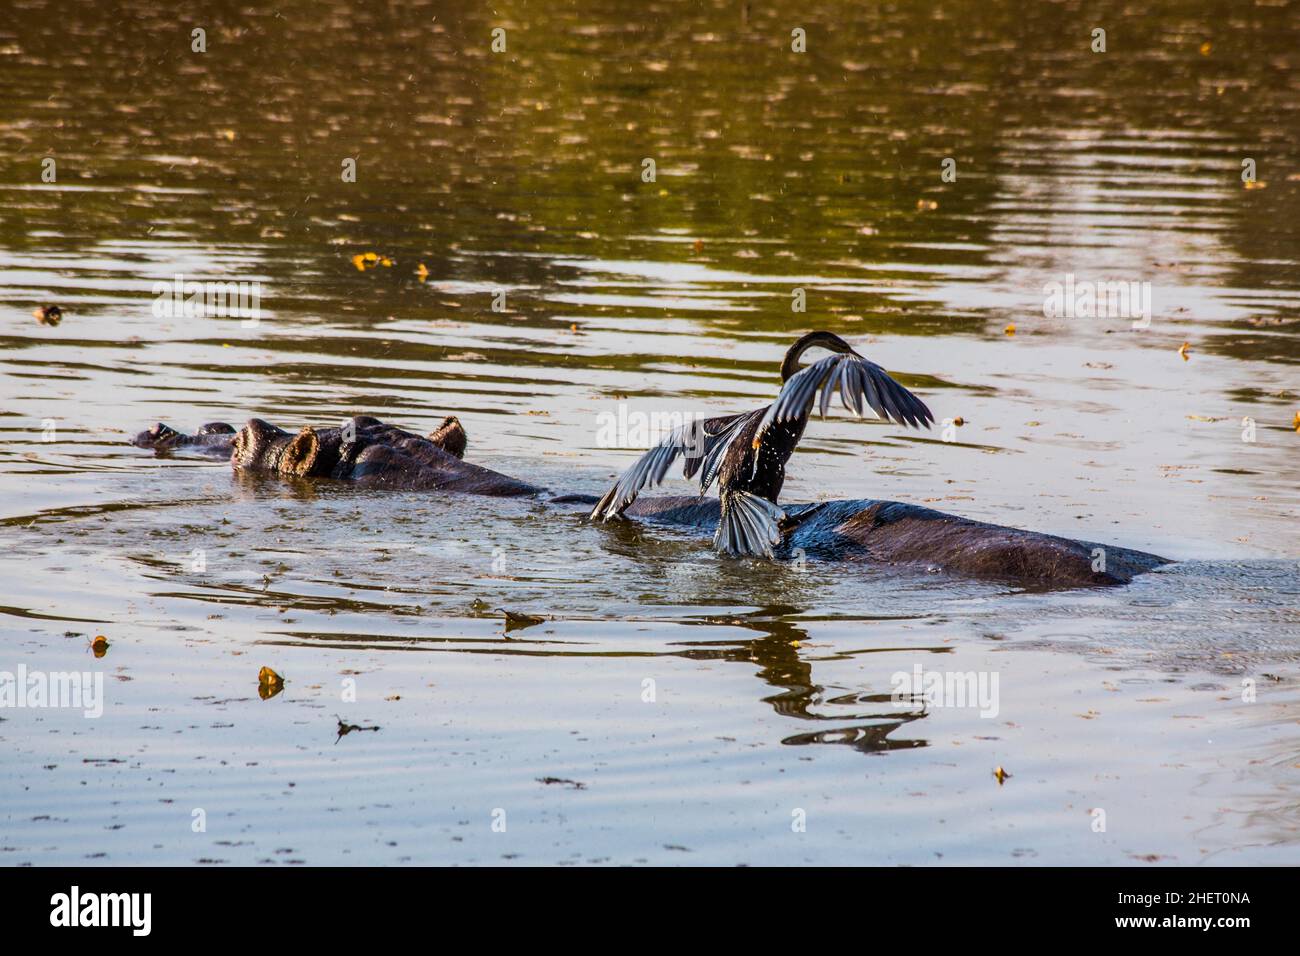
(703, 441)
(861, 384)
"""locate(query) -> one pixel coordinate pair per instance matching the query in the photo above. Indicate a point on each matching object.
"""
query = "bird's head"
(820, 339)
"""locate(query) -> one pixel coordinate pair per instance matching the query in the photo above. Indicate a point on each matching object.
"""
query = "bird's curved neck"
(826, 340)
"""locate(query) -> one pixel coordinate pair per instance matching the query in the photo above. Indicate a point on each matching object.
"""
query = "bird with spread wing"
(746, 453)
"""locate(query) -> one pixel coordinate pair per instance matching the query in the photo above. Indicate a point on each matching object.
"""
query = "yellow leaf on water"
(1184, 350)
(1010, 329)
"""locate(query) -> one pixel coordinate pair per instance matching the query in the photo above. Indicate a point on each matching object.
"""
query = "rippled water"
(695, 706)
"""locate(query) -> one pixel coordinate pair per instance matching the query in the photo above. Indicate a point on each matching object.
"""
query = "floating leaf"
(269, 683)
(48, 315)
(516, 620)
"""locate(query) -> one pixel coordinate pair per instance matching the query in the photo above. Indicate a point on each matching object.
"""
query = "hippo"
(363, 450)
(372, 454)
(214, 438)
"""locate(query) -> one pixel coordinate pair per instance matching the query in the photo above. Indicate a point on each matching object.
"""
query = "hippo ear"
(215, 428)
(450, 436)
(300, 456)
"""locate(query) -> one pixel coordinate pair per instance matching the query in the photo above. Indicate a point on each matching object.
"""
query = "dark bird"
(746, 453)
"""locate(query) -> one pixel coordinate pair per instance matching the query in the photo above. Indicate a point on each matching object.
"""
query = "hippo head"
(259, 446)
(215, 428)
(159, 437)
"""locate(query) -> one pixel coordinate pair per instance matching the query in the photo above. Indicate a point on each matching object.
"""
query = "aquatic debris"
(422, 273)
(1000, 774)
(1185, 350)
(1010, 329)
(369, 260)
(346, 728)
(560, 781)
(99, 646)
(269, 683)
(1295, 422)
(48, 315)
(959, 421)
(516, 620)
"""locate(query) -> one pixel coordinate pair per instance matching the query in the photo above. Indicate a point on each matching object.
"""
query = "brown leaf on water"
(517, 620)
(269, 683)
(367, 260)
(48, 315)
(99, 646)
(698, 246)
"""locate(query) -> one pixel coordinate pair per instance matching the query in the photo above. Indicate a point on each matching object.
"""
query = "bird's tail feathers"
(749, 527)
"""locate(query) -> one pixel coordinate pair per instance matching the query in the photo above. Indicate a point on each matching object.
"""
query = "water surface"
(521, 172)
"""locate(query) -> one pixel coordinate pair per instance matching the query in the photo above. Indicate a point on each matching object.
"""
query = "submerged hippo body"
(375, 455)
(896, 533)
